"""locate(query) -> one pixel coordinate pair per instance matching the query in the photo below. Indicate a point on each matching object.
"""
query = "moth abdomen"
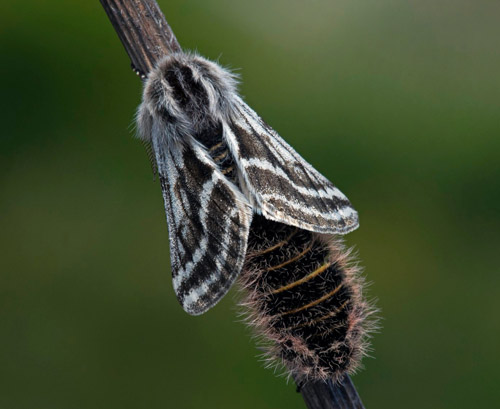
(223, 159)
(304, 300)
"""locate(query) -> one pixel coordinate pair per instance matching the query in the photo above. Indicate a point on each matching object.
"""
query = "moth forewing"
(208, 222)
(282, 185)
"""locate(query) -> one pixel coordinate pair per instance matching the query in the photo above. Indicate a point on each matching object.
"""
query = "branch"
(143, 31)
(147, 37)
(329, 395)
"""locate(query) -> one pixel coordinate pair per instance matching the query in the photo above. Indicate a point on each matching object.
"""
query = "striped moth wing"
(208, 224)
(280, 183)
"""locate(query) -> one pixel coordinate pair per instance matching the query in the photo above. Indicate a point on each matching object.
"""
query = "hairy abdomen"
(304, 300)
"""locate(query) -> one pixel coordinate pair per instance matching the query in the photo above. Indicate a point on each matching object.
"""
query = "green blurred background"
(397, 102)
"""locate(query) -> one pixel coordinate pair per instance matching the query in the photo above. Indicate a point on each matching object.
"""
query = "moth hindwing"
(218, 164)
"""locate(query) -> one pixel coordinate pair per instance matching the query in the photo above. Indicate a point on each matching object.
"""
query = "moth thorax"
(190, 90)
(304, 301)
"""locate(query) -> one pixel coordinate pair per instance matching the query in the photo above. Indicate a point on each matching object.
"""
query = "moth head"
(184, 95)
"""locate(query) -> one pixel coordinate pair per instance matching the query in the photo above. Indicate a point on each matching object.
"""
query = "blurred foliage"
(396, 102)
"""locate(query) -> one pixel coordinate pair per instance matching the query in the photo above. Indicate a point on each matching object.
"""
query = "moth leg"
(138, 72)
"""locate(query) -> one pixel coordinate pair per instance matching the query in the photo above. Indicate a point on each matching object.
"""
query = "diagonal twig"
(143, 31)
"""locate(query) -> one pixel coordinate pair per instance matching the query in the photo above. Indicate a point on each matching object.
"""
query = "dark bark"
(143, 31)
(329, 395)
(146, 36)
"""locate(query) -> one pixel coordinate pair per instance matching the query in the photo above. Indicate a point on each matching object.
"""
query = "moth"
(220, 166)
